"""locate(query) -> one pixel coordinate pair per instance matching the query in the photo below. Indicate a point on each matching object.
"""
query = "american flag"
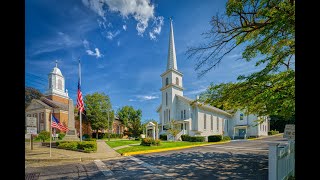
(55, 123)
(80, 104)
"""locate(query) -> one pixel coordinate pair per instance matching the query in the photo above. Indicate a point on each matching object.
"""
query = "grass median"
(114, 144)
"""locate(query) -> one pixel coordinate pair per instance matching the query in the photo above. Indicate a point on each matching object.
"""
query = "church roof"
(54, 104)
(172, 60)
(56, 70)
(210, 108)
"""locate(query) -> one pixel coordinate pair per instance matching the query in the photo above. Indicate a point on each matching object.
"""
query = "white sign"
(289, 132)
(31, 130)
(31, 122)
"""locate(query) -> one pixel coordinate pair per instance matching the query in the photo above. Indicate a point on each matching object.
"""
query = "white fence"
(281, 160)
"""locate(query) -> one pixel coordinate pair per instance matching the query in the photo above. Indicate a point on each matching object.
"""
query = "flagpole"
(51, 131)
(80, 113)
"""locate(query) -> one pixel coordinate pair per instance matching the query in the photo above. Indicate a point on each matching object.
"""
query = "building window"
(59, 84)
(50, 83)
(205, 122)
(177, 81)
(181, 114)
(166, 99)
(218, 123)
(241, 116)
(211, 122)
(184, 114)
(167, 81)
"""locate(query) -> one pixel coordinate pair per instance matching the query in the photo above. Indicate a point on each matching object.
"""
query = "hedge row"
(163, 137)
(85, 146)
(150, 142)
(217, 138)
(186, 137)
(105, 135)
(273, 132)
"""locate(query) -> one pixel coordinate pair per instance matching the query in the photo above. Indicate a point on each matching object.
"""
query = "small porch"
(240, 132)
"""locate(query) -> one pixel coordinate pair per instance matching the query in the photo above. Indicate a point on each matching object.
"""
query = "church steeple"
(172, 60)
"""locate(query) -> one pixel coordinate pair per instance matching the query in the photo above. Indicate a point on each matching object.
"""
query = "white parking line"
(103, 168)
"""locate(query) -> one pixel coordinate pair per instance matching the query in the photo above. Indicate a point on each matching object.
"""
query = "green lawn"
(121, 143)
(164, 144)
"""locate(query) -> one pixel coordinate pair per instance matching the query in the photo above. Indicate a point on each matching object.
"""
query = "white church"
(197, 119)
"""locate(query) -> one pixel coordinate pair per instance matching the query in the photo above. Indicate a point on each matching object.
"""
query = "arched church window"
(177, 81)
(59, 84)
(167, 81)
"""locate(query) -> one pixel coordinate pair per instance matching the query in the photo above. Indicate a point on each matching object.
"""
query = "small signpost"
(31, 123)
(289, 132)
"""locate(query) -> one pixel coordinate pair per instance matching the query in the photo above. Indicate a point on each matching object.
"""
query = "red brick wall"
(58, 99)
(86, 129)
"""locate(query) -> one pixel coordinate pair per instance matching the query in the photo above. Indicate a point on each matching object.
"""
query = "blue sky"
(123, 47)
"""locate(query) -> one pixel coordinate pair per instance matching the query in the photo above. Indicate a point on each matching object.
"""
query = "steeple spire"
(56, 63)
(172, 60)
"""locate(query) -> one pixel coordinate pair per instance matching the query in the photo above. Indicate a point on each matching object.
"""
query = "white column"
(273, 161)
(153, 132)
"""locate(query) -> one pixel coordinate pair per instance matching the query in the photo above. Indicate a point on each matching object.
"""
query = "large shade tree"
(97, 106)
(29, 94)
(131, 119)
(265, 29)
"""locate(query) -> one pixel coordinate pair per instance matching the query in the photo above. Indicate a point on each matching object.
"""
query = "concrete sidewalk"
(42, 153)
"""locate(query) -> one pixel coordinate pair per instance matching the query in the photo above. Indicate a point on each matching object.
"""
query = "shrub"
(90, 139)
(196, 138)
(156, 142)
(70, 145)
(163, 137)
(87, 146)
(226, 138)
(214, 138)
(43, 135)
(273, 132)
(146, 142)
(61, 136)
(185, 137)
(137, 139)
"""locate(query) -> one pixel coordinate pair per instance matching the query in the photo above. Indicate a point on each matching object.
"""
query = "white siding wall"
(208, 131)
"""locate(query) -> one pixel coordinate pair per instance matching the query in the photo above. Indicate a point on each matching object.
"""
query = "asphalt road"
(234, 160)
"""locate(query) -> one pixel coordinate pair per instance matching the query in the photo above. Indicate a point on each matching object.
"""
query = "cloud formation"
(111, 35)
(141, 10)
(96, 53)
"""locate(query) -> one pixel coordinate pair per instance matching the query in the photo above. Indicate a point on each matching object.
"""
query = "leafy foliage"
(43, 135)
(29, 94)
(163, 137)
(98, 106)
(265, 29)
(214, 138)
(132, 119)
(174, 129)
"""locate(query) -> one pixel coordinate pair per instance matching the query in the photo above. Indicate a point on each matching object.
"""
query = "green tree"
(29, 94)
(265, 29)
(132, 119)
(173, 129)
(97, 107)
(44, 135)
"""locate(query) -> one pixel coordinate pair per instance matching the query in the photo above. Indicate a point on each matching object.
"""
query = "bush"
(137, 139)
(273, 132)
(61, 136)
(156, 142)
(146, 142)
(69, 145)
(90, 139)
(87, 146)
(163, 137)
(43, 135)
(226, 138)
(185, 137)
(196, 139)
(214, 138)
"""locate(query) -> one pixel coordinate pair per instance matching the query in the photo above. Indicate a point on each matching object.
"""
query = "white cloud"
(131, 100)
(96, 53)
(152, 36)
(85, 44)
(96, 6)
(124, 27)
(158, 22)
(145, 98)
(118, 43)
(111, 35)
(197, 92)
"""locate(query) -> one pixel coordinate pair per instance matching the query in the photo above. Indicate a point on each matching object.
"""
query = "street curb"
(71, 159)
(170, 149)
(264, 137)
